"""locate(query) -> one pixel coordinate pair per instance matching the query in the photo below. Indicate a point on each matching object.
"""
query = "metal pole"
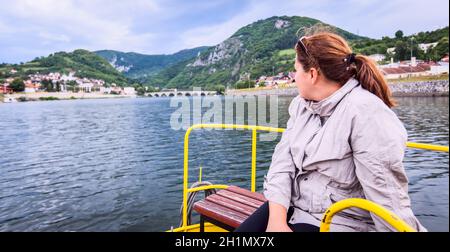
(411, 47)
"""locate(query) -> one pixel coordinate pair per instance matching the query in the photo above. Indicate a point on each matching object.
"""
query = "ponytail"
(333, 56)
(372, 79)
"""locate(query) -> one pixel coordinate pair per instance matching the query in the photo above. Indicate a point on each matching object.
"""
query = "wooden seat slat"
(242, 191)
(229, 207)
(220, 213)
(236, 206)
(240, 198)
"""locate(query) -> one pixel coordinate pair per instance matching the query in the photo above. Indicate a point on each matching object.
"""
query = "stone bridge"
(180, 93)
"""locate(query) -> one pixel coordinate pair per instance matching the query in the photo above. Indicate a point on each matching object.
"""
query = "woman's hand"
(277, 218)
(280, 227)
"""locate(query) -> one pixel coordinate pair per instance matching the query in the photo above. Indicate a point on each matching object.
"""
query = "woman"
(342, 141)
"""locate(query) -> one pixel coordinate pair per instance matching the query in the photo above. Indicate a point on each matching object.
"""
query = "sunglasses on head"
(302, 45)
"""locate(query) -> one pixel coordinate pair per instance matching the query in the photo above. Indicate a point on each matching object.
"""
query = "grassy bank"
(420, 78)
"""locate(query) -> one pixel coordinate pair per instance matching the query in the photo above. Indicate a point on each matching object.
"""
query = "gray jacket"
(349, 145)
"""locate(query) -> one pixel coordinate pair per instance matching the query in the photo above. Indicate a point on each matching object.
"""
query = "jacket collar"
(326, 106)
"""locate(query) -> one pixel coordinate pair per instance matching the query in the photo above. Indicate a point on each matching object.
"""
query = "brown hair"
(327, 53)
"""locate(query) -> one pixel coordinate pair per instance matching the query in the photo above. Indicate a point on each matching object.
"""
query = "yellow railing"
(367, 205)
(431, 147)
(254, 130)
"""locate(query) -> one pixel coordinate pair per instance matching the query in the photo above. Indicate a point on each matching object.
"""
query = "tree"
(399, 34)
(442, 47)
(48, 85)
(245, 84)
(17, 85)
(220, 89)
(440, 50)
(401, 50)
(140, 91)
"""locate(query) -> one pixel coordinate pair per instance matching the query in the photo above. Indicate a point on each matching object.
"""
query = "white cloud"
(162, 26)
(90, 23)
(48, 38)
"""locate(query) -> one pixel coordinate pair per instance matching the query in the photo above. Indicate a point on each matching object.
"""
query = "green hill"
(84, 63)
(141, 66)
(260, 48)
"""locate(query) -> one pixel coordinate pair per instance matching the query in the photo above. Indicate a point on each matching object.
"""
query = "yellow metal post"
(254, 137)
(185, 175)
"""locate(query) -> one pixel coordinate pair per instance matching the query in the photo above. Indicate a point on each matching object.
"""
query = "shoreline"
(45, 96)
(435, 88)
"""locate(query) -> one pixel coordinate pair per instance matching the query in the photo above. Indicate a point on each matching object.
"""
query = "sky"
(34, 28)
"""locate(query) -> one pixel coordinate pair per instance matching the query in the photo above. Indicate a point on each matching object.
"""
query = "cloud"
(167, 26)
(67, 25)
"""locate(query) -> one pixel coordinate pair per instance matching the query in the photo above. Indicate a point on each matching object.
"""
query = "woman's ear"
(314, 75)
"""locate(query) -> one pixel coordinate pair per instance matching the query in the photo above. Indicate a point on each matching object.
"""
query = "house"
(129, 91)
(5, 89)
(116, 90)
(268, 82)
(377, 57)
(403, 71)
(391, 50)
(424, 47)
(30, 88)
(439, 68)
(105, 90)
(86, 86)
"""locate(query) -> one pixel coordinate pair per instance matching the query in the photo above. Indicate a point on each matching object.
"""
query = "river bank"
(399, 89)
(45, 96)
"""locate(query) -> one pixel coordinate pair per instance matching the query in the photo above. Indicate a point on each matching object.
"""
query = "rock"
(281, 24)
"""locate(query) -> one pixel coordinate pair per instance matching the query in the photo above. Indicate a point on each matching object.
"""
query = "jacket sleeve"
(278, 182)
(378, 141)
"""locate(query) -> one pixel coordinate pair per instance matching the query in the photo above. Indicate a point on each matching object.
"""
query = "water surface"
(116, 165)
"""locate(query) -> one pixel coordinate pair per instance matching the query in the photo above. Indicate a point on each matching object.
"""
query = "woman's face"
(303, 81)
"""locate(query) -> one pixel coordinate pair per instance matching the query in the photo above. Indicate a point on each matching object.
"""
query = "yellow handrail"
(431, 147)
(367, 205)
(254, 129)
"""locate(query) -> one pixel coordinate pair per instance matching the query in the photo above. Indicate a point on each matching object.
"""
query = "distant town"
(57, 82)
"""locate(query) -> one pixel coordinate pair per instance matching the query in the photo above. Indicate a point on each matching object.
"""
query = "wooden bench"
(228, 208)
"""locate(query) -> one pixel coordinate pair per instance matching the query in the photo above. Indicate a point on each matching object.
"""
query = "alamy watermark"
(259, 110)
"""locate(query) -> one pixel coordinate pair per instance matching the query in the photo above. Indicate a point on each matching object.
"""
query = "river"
(116, 164)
